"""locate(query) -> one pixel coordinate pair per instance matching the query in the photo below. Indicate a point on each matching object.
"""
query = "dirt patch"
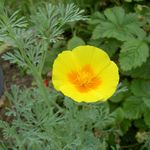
(12, 75)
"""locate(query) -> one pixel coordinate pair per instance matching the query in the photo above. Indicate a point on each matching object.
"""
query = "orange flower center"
(85, 79)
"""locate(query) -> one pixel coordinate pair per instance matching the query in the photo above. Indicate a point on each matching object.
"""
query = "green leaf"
(133, 107)
(118, 114)
(2, 4)
(115, 15)
(117, 98)
(133, 54)
(125, 125)
(50, 19)
(140, 87)
(147, 117)
(146, 101)
(96, 18)
(139, 123)
(110, 46)
(118, 25)
(148, 38)
(74, 42)
(3, 146)
(140, 72)
(3, 124)
(107, 29)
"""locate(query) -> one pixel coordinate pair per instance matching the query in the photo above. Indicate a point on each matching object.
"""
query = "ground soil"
(12, 76)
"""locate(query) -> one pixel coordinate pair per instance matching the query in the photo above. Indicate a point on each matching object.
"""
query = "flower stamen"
(84, 79)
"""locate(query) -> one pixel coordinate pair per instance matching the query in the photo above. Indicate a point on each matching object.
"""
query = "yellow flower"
(85, 74)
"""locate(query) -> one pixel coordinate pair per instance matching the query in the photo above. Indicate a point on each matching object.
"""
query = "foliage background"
(36, 34)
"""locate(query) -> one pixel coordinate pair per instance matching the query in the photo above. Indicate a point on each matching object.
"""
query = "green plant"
(74, 126)
(41, 118)
(124, 34)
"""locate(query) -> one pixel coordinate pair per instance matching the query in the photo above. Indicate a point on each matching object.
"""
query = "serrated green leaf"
(115, 15)
(118, 114)
(96, 18)
(74, 42)
(107, 29)
(133, 54)
(140, 72)
(133, 107)
(118, 25)
(110, 46)
(140, 87)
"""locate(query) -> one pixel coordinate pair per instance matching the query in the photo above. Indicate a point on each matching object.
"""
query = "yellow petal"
(91, 96)
(110, 79)
(65, 61)
(96, 57)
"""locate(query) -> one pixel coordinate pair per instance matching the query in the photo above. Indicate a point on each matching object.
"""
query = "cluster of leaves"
(50, 121)
(38, 120)
(127, 29)
(125, 35)
(46, 27)
(132, 43)
(70, 125)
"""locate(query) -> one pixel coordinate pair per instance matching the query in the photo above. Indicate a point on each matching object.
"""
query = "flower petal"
(110, 79)
(96, 57)
(64, 63)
